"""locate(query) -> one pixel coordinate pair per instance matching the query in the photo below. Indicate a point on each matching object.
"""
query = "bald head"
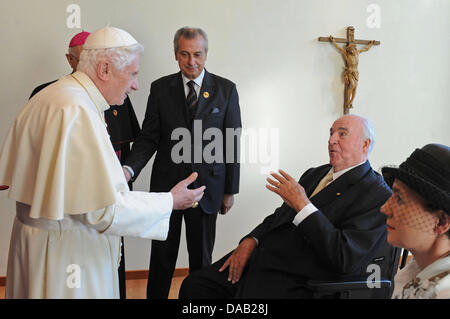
(351, 140)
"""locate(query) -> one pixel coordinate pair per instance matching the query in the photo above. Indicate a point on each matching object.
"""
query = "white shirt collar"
(342, 172)
(197, 81)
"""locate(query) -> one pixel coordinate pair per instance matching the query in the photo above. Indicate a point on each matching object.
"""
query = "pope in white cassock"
(73, 202)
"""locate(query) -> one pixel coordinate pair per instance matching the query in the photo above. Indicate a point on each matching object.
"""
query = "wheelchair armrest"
(322, 286)
(358, 289)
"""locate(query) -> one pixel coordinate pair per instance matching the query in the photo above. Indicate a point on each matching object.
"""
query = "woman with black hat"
(418, 220)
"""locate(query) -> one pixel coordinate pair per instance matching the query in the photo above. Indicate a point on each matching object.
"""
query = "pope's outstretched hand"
(183, 197)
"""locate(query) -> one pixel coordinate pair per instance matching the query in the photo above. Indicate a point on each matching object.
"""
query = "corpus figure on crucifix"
(350, 53)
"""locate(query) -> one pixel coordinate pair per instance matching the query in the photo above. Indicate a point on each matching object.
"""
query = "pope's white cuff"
(142, 214)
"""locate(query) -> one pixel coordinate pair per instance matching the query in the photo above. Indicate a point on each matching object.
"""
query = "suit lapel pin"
(338, 194)
(205, 95)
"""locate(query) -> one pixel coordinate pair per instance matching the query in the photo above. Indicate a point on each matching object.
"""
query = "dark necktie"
(191, 99)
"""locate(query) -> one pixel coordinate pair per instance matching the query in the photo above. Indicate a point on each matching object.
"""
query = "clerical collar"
(198, 80)
(342, 172)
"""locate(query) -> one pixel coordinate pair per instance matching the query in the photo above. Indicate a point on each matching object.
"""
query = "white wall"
(286, 79)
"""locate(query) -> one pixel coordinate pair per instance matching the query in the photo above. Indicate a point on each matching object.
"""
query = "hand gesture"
(289, 190)
(185, 198)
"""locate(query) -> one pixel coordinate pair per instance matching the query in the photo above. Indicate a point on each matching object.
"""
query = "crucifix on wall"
(350, 53)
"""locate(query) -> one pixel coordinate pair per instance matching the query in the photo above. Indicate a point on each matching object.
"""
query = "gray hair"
(120, 57)
(189, 33)
(368, 130)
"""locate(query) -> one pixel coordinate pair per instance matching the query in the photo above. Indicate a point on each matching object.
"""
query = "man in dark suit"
(329, 227)
(123, 128)
(201, 108)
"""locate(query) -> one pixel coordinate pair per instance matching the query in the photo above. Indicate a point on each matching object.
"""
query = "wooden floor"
(136, 289)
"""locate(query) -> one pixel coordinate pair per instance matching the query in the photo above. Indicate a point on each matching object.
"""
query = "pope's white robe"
(73, 202)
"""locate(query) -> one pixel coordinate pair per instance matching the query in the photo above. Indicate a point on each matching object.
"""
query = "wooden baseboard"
(131, 275)
(143, 274)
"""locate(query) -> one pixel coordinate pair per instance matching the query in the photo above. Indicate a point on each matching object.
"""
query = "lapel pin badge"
(205, 95)
(338, 194)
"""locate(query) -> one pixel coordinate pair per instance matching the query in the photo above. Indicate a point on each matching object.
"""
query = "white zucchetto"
(109, 37)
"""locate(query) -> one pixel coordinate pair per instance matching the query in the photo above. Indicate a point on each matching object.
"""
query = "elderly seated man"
(329, 226)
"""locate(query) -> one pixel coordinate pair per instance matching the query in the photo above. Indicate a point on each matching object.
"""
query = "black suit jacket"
(336, 242)
(167, 113)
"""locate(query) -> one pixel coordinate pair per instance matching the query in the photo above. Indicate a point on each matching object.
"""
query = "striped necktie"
(191, 99)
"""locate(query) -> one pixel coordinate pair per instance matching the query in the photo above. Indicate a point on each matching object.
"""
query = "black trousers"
(255, 283)
(200, 237)
(122, 278)
(209, 283)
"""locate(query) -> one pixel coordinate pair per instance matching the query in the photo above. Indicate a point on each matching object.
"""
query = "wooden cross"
(350, 53)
